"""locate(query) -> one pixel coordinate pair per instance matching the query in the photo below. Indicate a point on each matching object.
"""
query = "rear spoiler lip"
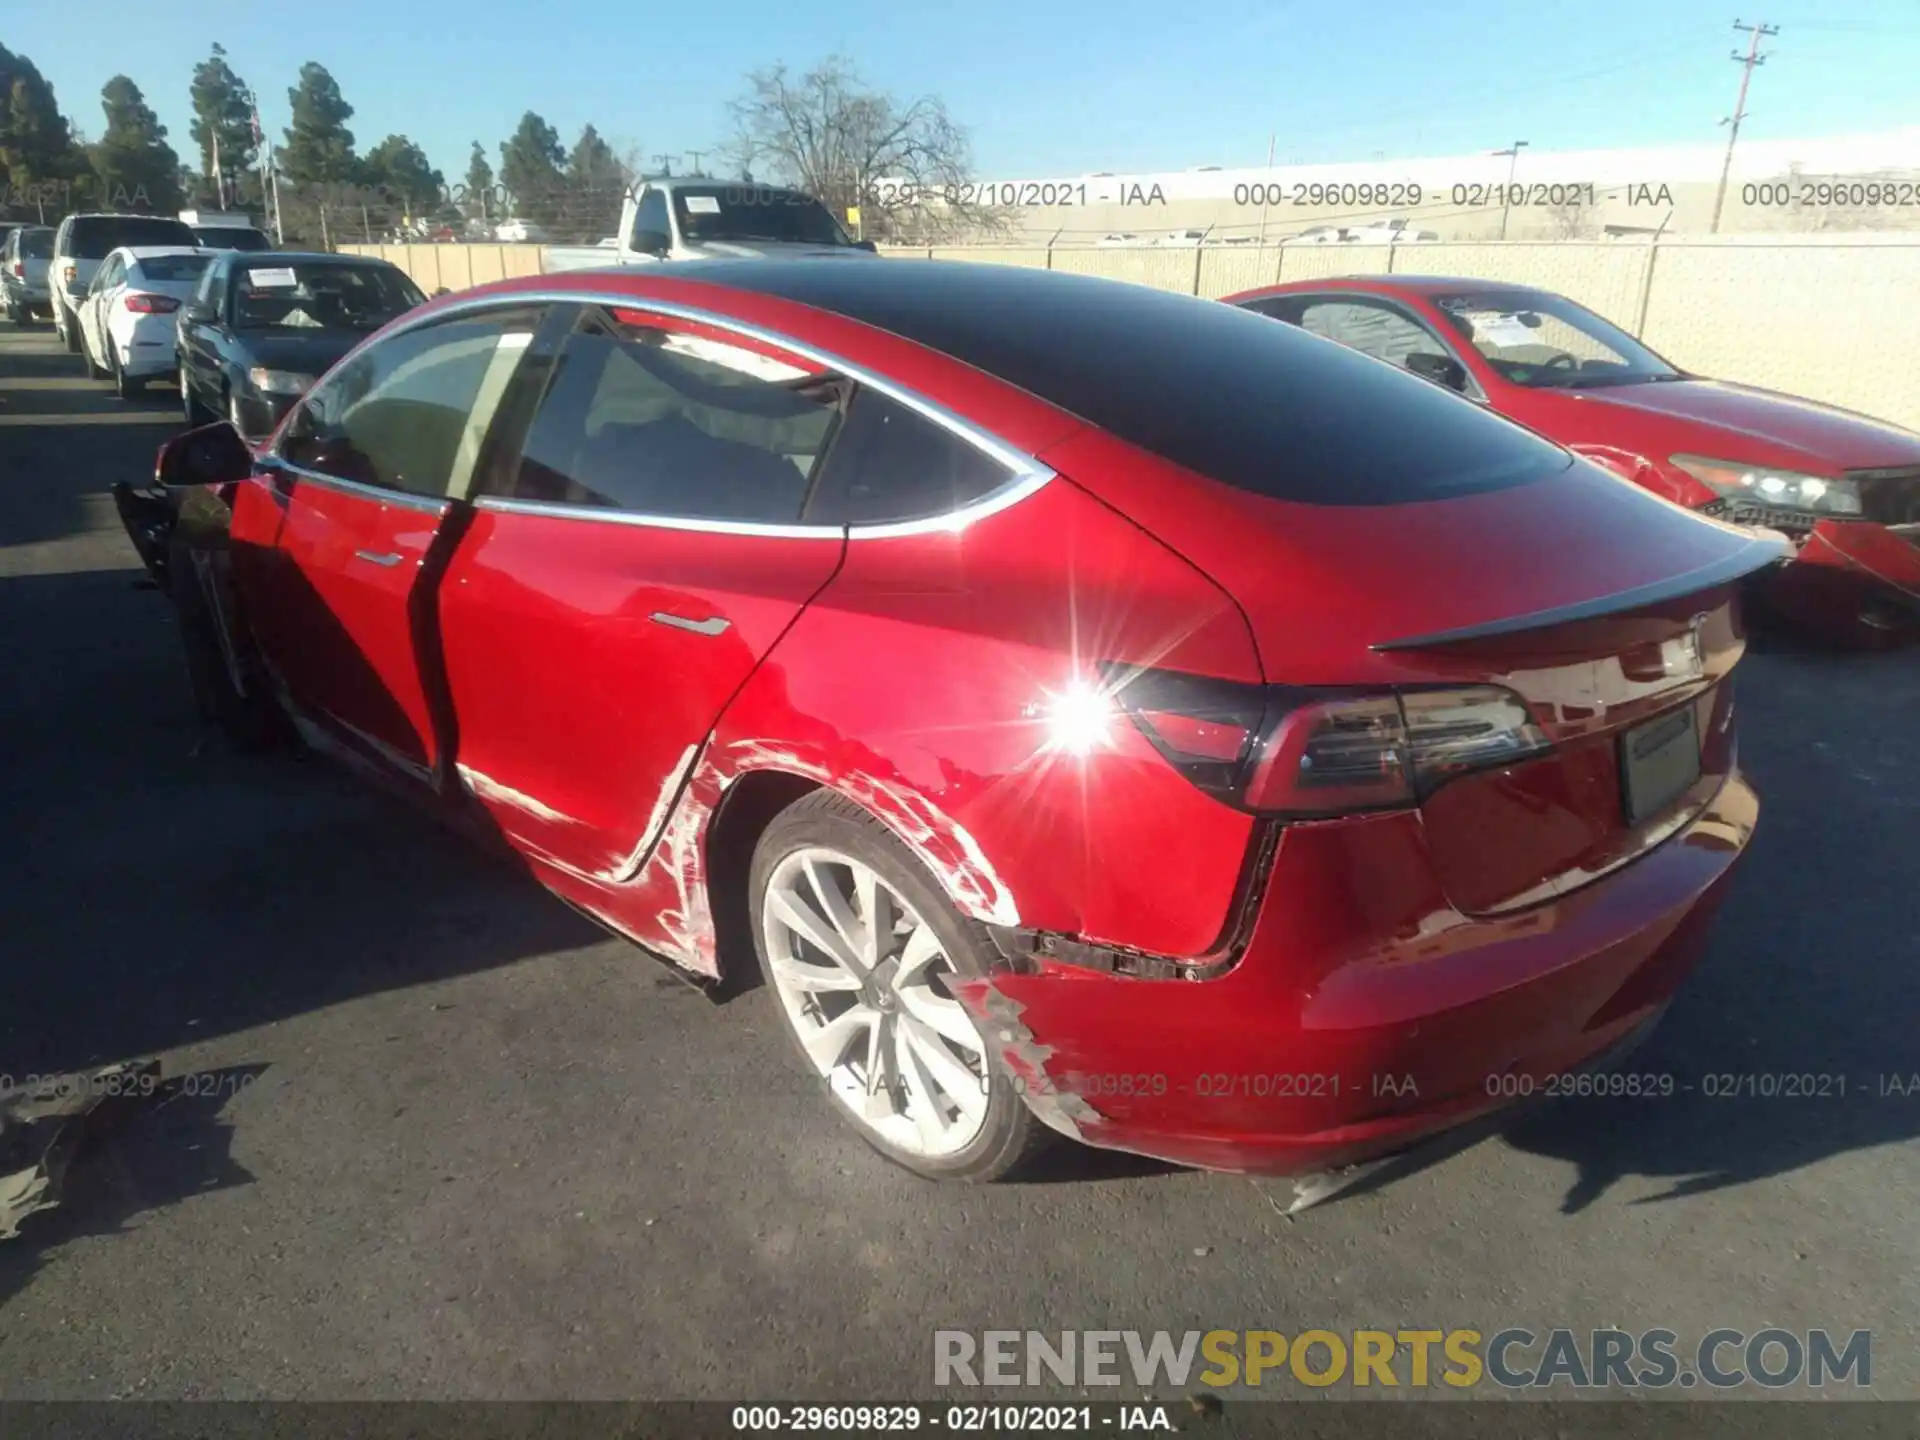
(1756, 553)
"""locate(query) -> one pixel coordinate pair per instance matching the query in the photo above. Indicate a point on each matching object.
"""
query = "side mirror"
(651, 242)
(197, 314)
(211, 455)
(866, 245)
(443, 290)
(1441, 369)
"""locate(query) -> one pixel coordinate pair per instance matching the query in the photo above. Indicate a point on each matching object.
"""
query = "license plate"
(1658, 762)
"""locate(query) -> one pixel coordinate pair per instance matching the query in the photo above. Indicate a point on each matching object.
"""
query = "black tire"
(124, 388)
(1010, 1135)
(250, 723)
(191, 410)
(94, 372)
(68, 327)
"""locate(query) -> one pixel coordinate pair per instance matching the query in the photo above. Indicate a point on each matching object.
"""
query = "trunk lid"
(1612, 614)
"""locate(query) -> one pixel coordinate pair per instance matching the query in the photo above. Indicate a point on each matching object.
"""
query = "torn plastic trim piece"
(1026, 950)
(1052, 1104)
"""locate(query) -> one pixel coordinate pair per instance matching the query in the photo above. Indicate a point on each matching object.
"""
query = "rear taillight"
(151, 304)
(67, 272)
(19, 270)
(1306, 753)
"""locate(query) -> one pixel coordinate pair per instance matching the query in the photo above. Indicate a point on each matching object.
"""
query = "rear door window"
(655, 421)
(892, 464)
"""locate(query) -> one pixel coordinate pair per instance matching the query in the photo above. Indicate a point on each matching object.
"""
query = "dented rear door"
(641, 555)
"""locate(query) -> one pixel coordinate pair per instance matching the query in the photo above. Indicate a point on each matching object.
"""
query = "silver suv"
(83, 241)
(23, 272)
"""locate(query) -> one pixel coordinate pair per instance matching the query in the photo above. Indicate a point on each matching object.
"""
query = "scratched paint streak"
(686, 923)
(487, 788)
(628, 866)
(971, 882)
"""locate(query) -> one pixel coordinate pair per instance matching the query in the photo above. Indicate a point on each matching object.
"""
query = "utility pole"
(1266, 185)
(665, 162)
(1506, 195)
(695, 155)
(1746, 62)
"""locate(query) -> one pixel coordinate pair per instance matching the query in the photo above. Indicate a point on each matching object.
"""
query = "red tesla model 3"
(1102, 711)
(1843, 487)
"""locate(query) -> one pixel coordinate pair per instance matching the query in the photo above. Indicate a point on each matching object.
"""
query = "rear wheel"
(94, 372)
(123, 387)
(861, 951)
(68, 327)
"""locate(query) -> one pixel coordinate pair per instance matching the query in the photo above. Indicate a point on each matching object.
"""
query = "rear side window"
(655, 422)
(36, 244)
(651, 216)
(891, 464)
(93, 237)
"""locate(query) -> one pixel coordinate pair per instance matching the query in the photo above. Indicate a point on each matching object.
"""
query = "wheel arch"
(745, 810)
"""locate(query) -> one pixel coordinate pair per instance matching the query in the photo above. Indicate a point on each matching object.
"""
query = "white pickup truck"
(703, 219)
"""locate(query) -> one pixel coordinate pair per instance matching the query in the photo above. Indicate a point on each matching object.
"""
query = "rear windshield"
(755, 212)
(232, 237)
(1249, 401)
(36, 244)
(94, 237)
(173, 267)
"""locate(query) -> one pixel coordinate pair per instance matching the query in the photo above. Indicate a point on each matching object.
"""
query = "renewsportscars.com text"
(1723, 1359)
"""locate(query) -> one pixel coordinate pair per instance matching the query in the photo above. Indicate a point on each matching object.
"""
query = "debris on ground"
(45, 1124)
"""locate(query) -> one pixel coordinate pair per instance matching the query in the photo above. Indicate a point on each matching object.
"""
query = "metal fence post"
(1646, 288)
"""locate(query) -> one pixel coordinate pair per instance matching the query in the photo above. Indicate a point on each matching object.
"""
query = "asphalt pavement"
(444, 1138)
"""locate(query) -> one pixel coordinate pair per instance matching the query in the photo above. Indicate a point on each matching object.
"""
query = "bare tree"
(907, 167)
(1570, 221)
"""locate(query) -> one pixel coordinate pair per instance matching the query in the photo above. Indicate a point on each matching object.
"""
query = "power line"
(1746, 62)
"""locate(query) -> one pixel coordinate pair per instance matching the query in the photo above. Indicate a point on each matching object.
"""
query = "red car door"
(642, 555)
(336, 541)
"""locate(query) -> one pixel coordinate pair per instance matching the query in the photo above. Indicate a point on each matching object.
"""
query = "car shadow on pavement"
(1795, 1042)
(174, 890)
(135, 1155)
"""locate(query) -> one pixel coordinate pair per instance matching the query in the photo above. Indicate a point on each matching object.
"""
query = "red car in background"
(1101, 711)
(1844, 488)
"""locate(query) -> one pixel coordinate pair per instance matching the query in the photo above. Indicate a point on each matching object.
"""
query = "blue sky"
(1045, 86)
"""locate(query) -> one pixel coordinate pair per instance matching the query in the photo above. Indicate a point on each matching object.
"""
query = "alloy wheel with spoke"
(865, 982)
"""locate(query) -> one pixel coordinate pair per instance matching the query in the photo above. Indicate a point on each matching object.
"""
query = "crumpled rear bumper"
(1852, 581)
(1339, 1037)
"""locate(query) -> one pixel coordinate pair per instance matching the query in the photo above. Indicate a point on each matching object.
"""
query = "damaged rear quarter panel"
(910, 683)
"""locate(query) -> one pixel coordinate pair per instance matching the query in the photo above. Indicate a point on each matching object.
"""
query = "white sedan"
(127, 321)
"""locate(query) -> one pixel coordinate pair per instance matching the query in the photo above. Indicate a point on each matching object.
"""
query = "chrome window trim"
(607, 515)
(406, 499)
(1026, 474)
